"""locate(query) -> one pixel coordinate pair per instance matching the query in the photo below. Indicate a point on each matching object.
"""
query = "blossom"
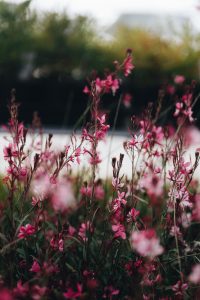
(127, 64)
(179, 288)
(126, 100)
(35, 267)
(179, 79)
(146, 243)
(194, 276)
(153, 184)
(37, 292)
(62, 197)
(5, 294)
(110, 291)
(86, 90)
(132, 215)
(41, 185)
(119, 230)
(25, 231)
(10, 151)
(83, 230)
(21, 290)
(71, 294)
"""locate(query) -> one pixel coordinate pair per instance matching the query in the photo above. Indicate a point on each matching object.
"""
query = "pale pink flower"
(126, 100)
(194, 276)
(179, 107)
(99, 192)
(196, 211)
(41, 186)
(146, 243)
(61, 245)
(152, 184)
(175, 231)
(179, 79)
(62, 197)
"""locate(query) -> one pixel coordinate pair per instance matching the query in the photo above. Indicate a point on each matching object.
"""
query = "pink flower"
(127, 64)
(126, 100)
(99, 192)
(179, 107)
(25, 231)
(71, 294)
(71, 230)
(86, 90)
(153, 185)
(86, 191)
(111, 84)
(61, 245)
(62, 197)
(41, 185)
(119, 230)
(170, 89)
(109, 291)
(10, 151)
(5, 294)
(179, 79)
(84, 229)
(99, 85)
(21, 290)
(146, 243)
(194, 276)
(179, 288)
(37, 292)
(196, 211)
(132, 215)
(35, 267)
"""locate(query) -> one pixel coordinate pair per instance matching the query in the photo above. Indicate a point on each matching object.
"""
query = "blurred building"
(167, 26)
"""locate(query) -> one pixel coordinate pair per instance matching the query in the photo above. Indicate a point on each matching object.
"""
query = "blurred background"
(48, 49)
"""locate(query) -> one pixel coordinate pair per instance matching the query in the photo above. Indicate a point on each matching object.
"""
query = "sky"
(107, 11)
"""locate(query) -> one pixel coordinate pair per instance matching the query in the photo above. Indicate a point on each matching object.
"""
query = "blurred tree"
(16, 25)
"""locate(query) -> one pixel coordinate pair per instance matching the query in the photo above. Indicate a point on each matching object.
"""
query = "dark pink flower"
(71, 294)
(26, 230)
(86, 90)
(5, 294)
(119, 230)
(35, 267)
(21, 290)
